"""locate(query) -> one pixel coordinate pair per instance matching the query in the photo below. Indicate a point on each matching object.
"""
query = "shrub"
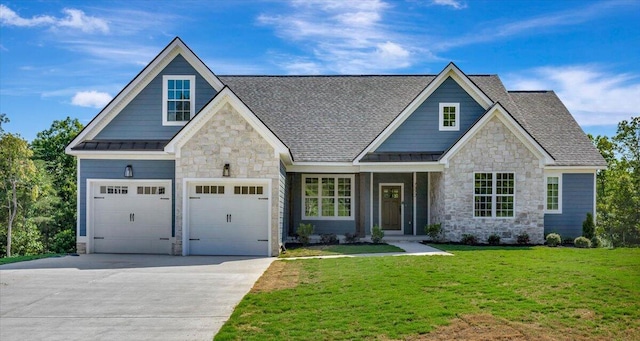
(582, 242)
(469, 239)
(588, 227)
(377, 234)
(553, 239)
(434, 231)
(523, 238)
(329, 238)
(494, 239)
(64, 242)
(304, 232)
(26, 240)
(595, 242)
(351, 238)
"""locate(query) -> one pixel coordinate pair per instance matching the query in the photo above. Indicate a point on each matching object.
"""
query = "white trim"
(415, 199)
(371, 204)
(494, 195)
(441, 126)
(322, 167)
(498, 111)
(89, 202)
(165, 98)
(401, 167)
(211, 109)
(139, 83)
(336, 197)
(401, 185)
(575, 169)
(186, 182)
(547, 175)
(450, 70)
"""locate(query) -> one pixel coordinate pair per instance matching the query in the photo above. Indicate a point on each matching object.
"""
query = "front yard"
(481, 293)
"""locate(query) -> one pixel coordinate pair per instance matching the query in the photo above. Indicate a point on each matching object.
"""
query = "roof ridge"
(529, 91)
(349, 76)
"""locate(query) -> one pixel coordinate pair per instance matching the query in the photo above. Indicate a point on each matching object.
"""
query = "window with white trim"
(327, 197)
(554, 194)
(178, 99)
(494, 195)
(449, 116)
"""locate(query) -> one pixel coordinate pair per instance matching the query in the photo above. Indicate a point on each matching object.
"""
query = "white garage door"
(132, 217)
(228, 219)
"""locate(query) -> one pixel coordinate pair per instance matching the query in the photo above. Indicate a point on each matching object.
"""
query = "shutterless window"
(449, 116)
(553, 193)
(178, 99)
(327, 197)
(494, 195)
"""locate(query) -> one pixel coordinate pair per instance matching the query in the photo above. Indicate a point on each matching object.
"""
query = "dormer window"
(450, 116)
(178, 99)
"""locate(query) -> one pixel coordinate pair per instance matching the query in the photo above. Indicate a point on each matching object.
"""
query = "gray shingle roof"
(334, 118)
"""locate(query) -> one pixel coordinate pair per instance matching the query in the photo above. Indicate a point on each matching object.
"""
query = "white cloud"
(92, 98)
(593, 96)
(453, 3)
(342, 37)
(74, 19)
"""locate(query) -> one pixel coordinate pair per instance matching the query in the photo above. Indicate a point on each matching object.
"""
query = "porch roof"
(402, 157)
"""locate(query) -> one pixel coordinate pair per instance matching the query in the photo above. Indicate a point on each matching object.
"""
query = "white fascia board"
(110, 155)
(323, 167)
(450, 71)
(223, 97)
(574, 169)
(139, 83)
(404, 167)
(498, 111)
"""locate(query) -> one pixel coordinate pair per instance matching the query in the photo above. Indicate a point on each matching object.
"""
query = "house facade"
(186, 162)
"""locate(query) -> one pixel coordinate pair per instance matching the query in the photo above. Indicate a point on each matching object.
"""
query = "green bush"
(469, 239)
(582, 242)
(588, 227)
(377, 234)
(434, 231)
(329, 238)
(304, 232)
(553, 239)
(523, 238)
(351, 238)
(494, 239)
(64, 242)
(26, 240)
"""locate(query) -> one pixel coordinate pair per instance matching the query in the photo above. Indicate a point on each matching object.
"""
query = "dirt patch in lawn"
(280, 275)
(488, 327)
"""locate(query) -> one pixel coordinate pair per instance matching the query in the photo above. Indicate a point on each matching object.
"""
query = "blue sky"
(69, 58)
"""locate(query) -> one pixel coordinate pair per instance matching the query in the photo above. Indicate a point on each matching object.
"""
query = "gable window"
(178, 99)
(449, 116)
(554, 194)
(494, 195)
(327, 197)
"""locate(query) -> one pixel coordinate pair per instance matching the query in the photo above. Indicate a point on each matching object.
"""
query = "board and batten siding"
(420, 131)
(577, 201)
(141, 119)
(114, 169)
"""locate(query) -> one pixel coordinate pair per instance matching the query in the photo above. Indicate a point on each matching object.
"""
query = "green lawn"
(557, 293)
(15, 259)
(340, 249)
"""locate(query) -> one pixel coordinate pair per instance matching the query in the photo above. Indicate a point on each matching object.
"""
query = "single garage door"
(228, 219)
(132, 217)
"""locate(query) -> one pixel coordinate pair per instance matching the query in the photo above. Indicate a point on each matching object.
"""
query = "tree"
(16, 169)
(3, 119)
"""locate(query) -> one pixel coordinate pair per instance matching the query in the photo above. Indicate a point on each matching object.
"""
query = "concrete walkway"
(123, 297)
(410, 248)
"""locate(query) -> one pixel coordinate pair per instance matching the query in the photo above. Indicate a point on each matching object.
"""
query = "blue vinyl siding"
(577, 200)
(422, 203)
(114, 169)
(420, 132)
(141, 119)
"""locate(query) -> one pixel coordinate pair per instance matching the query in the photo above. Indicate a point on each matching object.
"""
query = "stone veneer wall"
(228, 138)
(436, 198)
(493, 149)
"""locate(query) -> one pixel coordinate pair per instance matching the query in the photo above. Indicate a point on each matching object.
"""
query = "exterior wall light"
(128, 171)
(225, 171)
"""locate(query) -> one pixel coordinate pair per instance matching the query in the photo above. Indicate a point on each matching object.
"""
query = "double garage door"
(228, 219)
(132, 217)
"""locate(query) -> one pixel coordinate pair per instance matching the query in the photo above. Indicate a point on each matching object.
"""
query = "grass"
(340, 249)
(15, 259)
(558, 293)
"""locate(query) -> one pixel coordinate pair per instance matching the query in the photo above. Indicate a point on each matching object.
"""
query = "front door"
(391, 208)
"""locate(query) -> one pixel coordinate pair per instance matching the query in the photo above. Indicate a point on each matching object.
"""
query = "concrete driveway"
(123, 297)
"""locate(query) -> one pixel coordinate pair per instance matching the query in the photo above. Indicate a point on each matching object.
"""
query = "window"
(554, 194)
(206, 189)
(248, 190)
(327, 197)
(449, 116)
(494, 195)
(178, 99)
(151, 190)
(114, 189)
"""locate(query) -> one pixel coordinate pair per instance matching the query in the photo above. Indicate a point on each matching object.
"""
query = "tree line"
(38, 189)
